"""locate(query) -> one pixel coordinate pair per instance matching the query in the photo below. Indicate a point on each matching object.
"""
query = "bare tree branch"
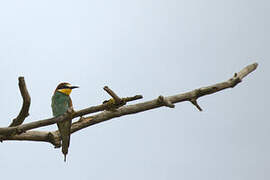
(83, 122)
(26, 104)
(36, 124)
(40, 136)
(102, 107)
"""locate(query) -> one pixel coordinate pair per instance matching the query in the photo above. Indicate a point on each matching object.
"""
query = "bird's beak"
(73, 87)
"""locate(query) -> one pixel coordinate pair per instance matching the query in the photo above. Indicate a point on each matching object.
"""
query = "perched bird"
(61, 102)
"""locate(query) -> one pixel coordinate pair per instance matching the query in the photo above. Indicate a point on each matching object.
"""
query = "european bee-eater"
(61, 102)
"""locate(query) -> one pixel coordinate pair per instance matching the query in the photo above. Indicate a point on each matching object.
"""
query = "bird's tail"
(65, 145)
(64, 128)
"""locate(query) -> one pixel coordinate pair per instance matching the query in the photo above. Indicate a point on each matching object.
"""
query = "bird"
(61, 103)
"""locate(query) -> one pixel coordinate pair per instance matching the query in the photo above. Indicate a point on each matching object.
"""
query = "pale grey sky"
(140, 47)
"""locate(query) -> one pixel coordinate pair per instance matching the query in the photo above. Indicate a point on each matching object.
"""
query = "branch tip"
(136, 97)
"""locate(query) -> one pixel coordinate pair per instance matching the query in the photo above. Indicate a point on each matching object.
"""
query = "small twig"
(116, 101)
(195, 103)
(114, 96)
(26, 104)
(195, 95)
(127, 99)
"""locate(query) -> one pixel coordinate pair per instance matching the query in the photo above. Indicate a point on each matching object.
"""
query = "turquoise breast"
(60, 103)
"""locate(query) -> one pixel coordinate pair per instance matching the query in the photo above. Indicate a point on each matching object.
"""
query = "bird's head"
(65, 88)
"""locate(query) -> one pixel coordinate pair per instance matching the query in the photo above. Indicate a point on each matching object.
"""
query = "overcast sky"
(148, 47)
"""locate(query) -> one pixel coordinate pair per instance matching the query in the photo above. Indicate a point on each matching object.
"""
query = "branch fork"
(195, 103)
(116, 101)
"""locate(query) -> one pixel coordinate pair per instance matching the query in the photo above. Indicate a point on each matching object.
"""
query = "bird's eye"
(64, 87)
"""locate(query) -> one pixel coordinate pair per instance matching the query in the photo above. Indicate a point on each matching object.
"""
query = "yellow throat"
(65, 91)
